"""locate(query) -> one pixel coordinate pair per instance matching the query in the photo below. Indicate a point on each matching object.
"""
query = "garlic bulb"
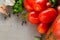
(9, 2)
(3, 9)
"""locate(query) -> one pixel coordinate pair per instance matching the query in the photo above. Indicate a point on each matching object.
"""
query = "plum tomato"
(58, 9)
(39, 5)
(30, 2)
(42, 28)
(33, 17)
(27, 6)
(56, 27)
(48, 4)
(48, 15)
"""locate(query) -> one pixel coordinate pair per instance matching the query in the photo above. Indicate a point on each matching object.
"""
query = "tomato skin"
(47, 15)
(58, 9)
(56, 27)
(33, 17)
(30, 2)
(48, 4)
(27, 6)
(41, 2)
(42, 28)
(39, 5)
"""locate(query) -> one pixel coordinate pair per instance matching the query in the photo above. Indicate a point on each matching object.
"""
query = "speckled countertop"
(11, 29)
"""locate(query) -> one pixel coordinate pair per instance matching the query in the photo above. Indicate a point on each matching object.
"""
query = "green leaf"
(24, 16)
(21, 2)
(15, 6)
(18, 6)
(16, 0)
(15, 11)
(52, 2)
(37, 39)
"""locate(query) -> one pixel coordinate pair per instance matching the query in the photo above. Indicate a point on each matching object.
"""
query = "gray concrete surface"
(11, 29)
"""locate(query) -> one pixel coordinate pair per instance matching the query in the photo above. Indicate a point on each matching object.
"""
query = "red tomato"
(42, 28)
(33, 17)
(27, 6)
(48, 4)
(39, 5)
(48, 15)
(30, 2)
(56, 27)
(58, 9)
(41, 2)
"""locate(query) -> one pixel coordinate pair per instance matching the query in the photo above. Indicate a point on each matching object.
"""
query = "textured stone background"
(11, 28)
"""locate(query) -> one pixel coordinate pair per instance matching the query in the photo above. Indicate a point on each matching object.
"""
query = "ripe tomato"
(48, 4)
(41, 2)
(33, 17)
(27, 6)
(48, 15)
(58, 9)
(42, 28)
(56, 27)
(39, 5)
(30, 2)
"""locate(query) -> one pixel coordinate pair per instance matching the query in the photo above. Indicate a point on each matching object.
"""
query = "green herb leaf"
(52, 2)
(24, 16)
(37, 39)
(18, 6)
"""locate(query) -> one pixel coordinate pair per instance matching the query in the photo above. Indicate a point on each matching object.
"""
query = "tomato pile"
(41, 12)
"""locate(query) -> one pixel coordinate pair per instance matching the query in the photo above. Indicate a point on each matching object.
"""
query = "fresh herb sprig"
(18, 7)
(53, 2)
